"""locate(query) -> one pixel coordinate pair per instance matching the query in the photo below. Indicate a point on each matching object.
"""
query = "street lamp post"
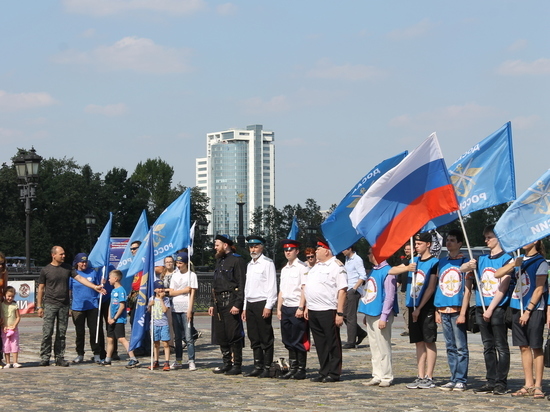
(203, 228)
(90, 223)
(26, 166)
(311, 233)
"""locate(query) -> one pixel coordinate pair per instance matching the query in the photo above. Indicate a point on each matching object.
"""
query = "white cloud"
(256, 105)
(445, 118)
(519, 67)
(226, 9)
(22, 101)
(107, 7)
(416, 30)
(326, 70)
(518, 45)
(130, 53)
(110, 110)
(525, 122)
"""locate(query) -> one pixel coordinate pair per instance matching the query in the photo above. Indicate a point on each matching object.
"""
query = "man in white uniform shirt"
(260, 296)
(290, 311)
(325, 295)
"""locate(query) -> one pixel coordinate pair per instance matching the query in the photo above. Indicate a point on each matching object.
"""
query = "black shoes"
(487, 388)
(255, 372)
(44, 363)
(329, 378)
(317, 378)
(348, 346)
(62, 362)
(235, 370)
(500, 390)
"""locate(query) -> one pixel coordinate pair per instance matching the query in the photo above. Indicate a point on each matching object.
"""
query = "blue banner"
(99, 256)
(139, 233)
(337, 228)
(294, 229)
(483, 177)
(528, 218)
(170, 232)
(141, 316)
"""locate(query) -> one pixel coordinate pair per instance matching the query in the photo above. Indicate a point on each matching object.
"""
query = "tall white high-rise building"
(239, 164)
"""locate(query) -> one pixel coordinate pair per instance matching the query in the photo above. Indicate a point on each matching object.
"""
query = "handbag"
(471, 323)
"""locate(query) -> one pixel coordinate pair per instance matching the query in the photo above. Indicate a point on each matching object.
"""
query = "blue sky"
(343, 84)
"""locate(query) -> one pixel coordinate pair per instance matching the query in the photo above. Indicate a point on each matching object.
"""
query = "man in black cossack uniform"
(227, 304)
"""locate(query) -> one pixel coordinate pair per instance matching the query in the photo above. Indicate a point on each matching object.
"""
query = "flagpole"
(413, 285)
(471, 257)
(99, 308)
(517, 253)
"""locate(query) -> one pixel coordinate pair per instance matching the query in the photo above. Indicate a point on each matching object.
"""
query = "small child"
(117, 320)
(158, 306)
(10, 332)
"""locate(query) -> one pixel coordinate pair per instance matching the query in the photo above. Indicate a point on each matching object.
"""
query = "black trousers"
(260, 330)
(327, 342)
(227, 328)
(294, 331)
(89, 317)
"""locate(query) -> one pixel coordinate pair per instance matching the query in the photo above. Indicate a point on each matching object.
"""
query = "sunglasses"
(134, 248)
(310, 256)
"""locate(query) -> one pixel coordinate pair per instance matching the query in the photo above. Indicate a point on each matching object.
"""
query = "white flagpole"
(517, 252)
(478, 283)
(413, 285)
(99, 308)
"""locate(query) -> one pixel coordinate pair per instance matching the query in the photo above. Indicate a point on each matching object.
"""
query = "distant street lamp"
(26, 165)
(90, 223)
(311, 233)
(203, 228)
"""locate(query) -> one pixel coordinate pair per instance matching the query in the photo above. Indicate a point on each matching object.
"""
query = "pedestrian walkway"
(89, 387)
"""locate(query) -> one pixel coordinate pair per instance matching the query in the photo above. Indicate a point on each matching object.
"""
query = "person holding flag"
(529, 314)
(495, 296)
(421, 284)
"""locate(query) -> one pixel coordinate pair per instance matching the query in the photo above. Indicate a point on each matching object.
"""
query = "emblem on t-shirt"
(419, 279)
(371, 291)
(450, 281)
(525, 285)
(489, 284)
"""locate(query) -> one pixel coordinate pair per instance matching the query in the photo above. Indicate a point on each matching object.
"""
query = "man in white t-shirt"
(183, 286)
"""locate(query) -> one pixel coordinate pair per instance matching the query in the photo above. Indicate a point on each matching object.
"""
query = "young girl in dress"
(10, 332)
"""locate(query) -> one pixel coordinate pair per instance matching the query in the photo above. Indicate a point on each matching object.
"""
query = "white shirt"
(261, 282)
(180, 281)
(322, 284)
(292, 279)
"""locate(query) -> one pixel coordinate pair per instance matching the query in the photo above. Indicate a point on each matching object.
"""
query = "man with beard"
(260, 297)
(226, 305)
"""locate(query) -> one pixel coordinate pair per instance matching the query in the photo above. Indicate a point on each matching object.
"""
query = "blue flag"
(337, 228)
(294, 229)
(483, 176)
(139, 233)
(528, 218)
(170, 232)
(99, 256)
(141, 315)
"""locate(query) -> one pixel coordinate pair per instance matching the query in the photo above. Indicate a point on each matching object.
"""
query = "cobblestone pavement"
(89, 387)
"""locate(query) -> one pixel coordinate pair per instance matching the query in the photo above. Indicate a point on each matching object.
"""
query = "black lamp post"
(311, 233)
(26, 166)
(90, 223)
(203, 228)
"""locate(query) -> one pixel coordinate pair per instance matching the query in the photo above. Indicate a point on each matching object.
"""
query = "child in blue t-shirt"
(158, 306)
(117, 320)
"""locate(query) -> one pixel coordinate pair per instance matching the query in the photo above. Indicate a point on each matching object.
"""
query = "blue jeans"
(456, 342)
(182, 330)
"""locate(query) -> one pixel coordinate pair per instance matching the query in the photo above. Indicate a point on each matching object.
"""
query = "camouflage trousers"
(58, 317)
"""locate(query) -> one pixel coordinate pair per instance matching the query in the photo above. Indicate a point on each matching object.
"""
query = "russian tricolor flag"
(404, 199)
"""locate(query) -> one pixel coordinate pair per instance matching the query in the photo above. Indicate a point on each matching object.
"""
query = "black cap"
(423, 237)
(225, 239)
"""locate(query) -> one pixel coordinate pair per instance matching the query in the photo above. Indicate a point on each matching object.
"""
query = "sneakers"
(16, 365)
(154, 366)
(133, 363)
(372, 382)
(487, 388)
(8, 365)
(427, 383)
(62, 362)
(500, 390)
(176, 365)
(192, 366)
(78, 359)
(105, 363)
(414, 385)
(385, 384)
(97, 359)
(449, 386)
(460, 387)
(166, 367)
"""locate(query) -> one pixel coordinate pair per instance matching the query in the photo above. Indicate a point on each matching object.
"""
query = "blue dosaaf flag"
(294, 229)
(99, 256)
(528, 218)
(141, 315)
(170, 232)
(483, 176)
(337, 228)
